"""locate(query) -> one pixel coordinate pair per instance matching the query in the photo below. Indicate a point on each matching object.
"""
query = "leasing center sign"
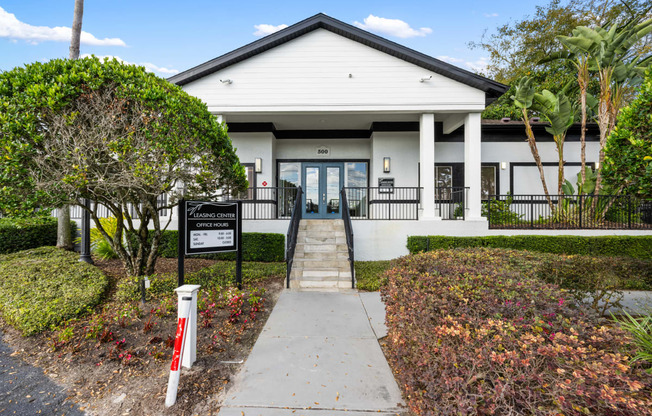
(211, 227)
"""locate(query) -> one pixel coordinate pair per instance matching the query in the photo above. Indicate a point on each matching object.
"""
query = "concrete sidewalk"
(317, 355)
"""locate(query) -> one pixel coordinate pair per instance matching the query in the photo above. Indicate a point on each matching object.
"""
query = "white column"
(427, 165)
(190, 347)
(472, 165)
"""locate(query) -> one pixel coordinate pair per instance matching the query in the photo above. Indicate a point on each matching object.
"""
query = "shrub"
(370, 275)
(627, 246)
(221, 274)
(18, 234)
(640, 330)
(469, 332)
(40, 288)
(266, 247)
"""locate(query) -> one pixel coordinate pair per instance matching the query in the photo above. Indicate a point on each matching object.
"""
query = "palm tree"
(524, 99)
(64, 237)
(559, 113)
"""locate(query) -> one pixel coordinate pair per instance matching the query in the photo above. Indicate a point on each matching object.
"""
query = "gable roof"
(492, 89)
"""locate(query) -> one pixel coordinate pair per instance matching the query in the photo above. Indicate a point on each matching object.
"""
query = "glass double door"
(322, 185)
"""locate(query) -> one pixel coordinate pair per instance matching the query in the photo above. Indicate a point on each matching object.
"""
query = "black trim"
(515, 132)
(395, 126)
(533, 164)
(492, 89)
(250, 127)
(322, 134)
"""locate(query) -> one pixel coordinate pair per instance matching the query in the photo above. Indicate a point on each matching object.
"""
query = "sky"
(168, 37)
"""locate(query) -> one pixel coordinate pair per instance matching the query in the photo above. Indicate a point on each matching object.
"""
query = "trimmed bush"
(42, 287)
(639, 247)
(266, 247)
(221, 274)
(472, 332)
(18, 234)
(370, 275)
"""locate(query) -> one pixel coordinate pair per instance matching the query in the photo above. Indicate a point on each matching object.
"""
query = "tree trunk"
(535, 153)
(582, 79)
(604, 120)
(559, 140)
(76, 29)
(64, 238)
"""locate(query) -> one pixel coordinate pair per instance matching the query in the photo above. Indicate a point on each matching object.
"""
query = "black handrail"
(293, 230)
(348, 228)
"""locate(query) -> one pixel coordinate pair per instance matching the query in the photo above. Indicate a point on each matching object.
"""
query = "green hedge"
(266, 247)
(18, 234)
(43, 287)
(639, 247)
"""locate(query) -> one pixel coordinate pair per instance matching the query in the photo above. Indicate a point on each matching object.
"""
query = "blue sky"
(171, 36)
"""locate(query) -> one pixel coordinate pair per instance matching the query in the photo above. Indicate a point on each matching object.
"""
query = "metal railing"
(567, 212)
(450, 201)
(348, 228)
(382, 203)
(266, 203)
(291, 237)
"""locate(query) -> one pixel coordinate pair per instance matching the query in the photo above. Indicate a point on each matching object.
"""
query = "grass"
(42, 287)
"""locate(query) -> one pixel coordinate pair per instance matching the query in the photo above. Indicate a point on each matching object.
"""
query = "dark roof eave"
(492, 89)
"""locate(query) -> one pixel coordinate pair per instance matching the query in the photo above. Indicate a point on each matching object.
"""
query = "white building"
(325, 106)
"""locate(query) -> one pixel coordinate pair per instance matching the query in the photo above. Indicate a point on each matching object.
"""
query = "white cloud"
(392, 27)
(491, 15)
(148, 66)
(450, 59)
(479, 65)
(14, 29)
(265, 29)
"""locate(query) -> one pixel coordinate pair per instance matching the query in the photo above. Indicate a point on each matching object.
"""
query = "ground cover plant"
(369, 274)
(116, 359)
(471, 331)
(43, 287)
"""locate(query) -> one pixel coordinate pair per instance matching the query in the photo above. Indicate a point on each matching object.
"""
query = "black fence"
(268, 203)
(383, 203)
(450, 202)
(567, 212)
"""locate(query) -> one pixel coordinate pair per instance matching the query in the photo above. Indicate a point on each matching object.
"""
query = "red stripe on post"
(178, 342)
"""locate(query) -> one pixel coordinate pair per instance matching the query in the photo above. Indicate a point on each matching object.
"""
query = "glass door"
(322, 186)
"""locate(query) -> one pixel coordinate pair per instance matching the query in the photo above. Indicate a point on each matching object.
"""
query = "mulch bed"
(124, 369)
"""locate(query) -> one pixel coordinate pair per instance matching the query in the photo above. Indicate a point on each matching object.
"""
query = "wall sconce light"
(503, 165)
(259, 165)
(597, 165)
(226, 81)
(386, 162)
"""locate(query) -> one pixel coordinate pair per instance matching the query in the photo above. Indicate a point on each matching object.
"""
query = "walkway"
(25, 390)
(317, 355)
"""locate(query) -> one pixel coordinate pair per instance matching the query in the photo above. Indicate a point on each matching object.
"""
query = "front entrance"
(321, 197)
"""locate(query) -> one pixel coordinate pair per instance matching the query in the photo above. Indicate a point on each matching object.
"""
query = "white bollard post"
(190, 350)
(185, 342)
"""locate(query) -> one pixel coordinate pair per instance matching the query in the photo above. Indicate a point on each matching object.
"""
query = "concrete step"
(316, 247)
(321, 263)
(317, 234)
(321, 255)
(329, 284)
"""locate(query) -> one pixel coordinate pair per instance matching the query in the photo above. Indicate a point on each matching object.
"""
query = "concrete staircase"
(321, 258)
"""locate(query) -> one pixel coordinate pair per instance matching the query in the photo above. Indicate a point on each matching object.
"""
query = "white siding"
(311, 73)
(249, 146)
(307, 149)
(403, 149)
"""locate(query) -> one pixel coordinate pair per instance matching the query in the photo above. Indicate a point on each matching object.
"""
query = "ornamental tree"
(116, 135)
(628, 153)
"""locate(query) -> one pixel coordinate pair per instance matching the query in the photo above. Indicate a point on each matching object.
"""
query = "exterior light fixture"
(259, 165)
(226, 81)
(503, 165)
(386, 162)
(597, 165)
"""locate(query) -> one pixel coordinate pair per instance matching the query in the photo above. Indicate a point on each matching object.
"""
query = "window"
(356, 174)
(488, 181)
(443, 182)
(250, 173)
(289, 177)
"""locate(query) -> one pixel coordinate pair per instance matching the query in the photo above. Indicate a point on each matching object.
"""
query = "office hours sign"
(211, 227)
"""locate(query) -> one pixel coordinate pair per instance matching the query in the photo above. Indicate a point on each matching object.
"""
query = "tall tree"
(64, 236)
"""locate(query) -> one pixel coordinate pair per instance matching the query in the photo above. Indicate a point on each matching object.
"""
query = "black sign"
(386, 185)
(211, 227)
